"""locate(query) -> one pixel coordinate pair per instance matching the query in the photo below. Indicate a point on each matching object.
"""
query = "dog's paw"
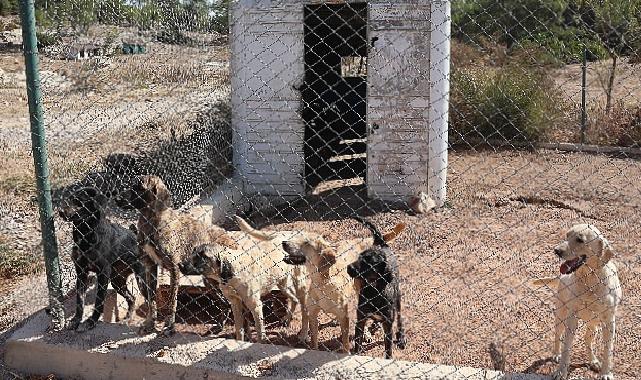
(401, 342)
(73, 324)
(303, 338)
(607, 376)
(367, 336)
(169, 331)
(87, 325)
(559, 375)
(147, 328)
(214, 330)
(595, 365)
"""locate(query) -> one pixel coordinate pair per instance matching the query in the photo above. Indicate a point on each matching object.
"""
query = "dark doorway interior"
(335, 92)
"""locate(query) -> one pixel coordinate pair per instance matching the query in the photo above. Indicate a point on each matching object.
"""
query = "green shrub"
(566, 45)
(47, 39)
(511, 103)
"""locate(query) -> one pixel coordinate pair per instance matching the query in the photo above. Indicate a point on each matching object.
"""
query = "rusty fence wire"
(388, 179)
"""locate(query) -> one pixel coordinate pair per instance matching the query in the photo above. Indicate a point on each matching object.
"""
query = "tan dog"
(331, 288)
(165, 237)
(588, 289)
(252, 270)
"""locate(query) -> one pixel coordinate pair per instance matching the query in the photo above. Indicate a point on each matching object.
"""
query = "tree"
(618, 25)
(507, 20)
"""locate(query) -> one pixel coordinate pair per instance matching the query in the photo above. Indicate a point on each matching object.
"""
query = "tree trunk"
(608, 90)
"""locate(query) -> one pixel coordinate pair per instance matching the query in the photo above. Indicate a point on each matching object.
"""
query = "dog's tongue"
(570, 266)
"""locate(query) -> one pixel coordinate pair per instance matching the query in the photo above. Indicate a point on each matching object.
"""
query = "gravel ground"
(465, 269)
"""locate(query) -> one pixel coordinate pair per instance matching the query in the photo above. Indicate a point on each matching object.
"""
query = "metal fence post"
(39, 148)
(584, 114)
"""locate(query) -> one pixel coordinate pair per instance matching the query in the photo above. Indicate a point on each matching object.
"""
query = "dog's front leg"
(344, 323)
(304, 313)
(314, 310)
(608, 347)
(389, 341)
(239, 318)
(256, 308)
(560, 315)
(401, 342)
(561, 372)
(151, 280)
(170, 321)
(102, 285)
(359, 331)
(82, 277)
(589, 338)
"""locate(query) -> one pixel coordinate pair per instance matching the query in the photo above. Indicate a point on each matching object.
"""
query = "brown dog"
(165, 237)
(253, 270)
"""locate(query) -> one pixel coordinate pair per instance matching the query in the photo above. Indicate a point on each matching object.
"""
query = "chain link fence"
(471, 139)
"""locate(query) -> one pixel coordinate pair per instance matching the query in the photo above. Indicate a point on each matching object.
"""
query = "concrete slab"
(113, 351)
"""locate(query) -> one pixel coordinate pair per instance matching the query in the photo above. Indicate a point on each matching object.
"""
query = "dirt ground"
(466, 269)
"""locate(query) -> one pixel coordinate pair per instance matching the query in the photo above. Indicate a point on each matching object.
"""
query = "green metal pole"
(39, 147)
(584, 112)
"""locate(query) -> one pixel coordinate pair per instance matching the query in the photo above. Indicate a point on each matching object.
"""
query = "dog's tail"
(379, 239)
(400, 227)
(546, 281)
(246, 228)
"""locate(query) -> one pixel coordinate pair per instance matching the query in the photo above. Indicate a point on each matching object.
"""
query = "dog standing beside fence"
(165, 237)
(380, 295)
(103, 247)
(588, 289)
(331, 289)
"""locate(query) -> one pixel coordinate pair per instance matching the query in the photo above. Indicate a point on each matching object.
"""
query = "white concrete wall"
(398, 98)
(267, 68)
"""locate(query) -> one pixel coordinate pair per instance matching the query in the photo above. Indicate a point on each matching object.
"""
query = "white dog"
(588, 289)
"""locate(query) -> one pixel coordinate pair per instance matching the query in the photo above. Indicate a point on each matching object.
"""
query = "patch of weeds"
(512, 103)
(14, 263)
(18, 185)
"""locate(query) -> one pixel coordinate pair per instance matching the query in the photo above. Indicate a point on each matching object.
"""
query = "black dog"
(380, 295)
(102, 247)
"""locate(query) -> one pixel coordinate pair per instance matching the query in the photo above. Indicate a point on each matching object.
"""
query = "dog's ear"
(607, 253)
(159, 191)
(200, 258)
(226, 270)
(326, 255)
(328, 258)
(388, 276)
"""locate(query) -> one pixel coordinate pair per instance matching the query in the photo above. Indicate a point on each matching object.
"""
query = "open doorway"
(334, 94)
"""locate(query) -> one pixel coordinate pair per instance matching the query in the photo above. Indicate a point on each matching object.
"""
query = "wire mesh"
(166, 118)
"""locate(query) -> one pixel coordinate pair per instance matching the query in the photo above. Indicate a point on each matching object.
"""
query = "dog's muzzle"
(558, 252)
(352, 271)
(292, 255)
